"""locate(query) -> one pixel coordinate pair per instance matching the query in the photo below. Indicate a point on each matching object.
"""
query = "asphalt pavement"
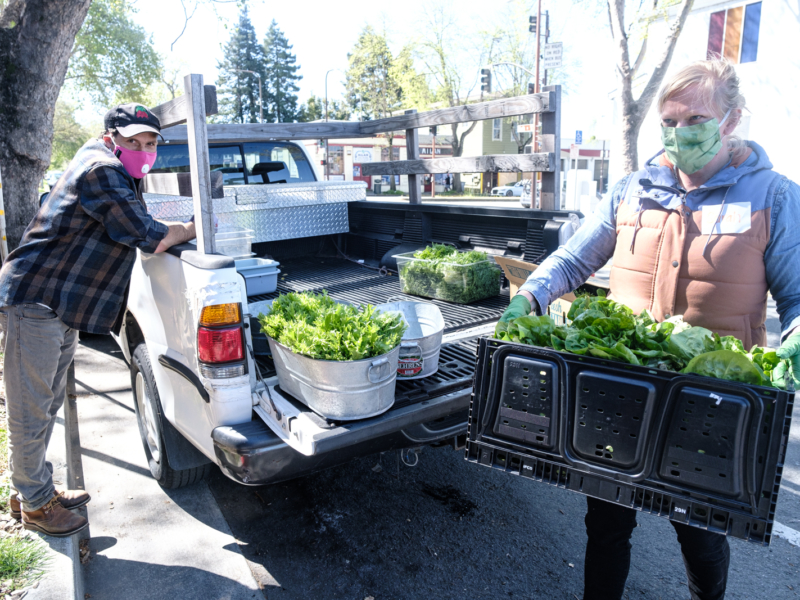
(375, 528)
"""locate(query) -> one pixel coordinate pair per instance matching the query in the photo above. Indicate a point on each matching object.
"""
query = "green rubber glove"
(518, 307)
(790, 349)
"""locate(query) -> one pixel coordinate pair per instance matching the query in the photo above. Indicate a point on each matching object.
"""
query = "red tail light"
(220, 345)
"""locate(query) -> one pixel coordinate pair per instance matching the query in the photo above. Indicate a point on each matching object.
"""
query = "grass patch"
(393, 193)
(22, 557)
(21, 561)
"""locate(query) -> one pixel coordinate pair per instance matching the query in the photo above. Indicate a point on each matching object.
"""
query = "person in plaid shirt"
(70, 273)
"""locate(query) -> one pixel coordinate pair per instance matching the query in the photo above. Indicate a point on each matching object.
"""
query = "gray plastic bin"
(260, 275)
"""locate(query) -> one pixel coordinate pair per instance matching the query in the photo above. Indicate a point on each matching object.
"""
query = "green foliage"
(280, 84)
(68, 135)
(314, 110)
(237, 91)
(22, 561)
(372, 86)
(445, 273)
(606, 329)
(725, 364)
(415, 91)
(113, 59)
(316, 326)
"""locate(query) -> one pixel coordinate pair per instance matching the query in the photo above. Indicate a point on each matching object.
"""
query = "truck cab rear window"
(262, 162)
(269, 162)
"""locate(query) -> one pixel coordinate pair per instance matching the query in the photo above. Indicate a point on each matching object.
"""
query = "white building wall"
(770, 84)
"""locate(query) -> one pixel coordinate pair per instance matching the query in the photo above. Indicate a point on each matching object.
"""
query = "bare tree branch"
(186, 17)
(644, 101)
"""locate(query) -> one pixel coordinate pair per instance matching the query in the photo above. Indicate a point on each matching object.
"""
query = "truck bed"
(351, 282)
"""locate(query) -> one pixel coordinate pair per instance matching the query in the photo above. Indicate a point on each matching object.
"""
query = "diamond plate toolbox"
(273, 212)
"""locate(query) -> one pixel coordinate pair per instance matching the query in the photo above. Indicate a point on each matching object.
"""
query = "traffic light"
(486, 80)
(433, 130)
(532, 26)
(531, 88)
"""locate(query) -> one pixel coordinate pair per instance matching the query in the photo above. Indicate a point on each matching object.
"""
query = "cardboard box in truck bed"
(517, 272)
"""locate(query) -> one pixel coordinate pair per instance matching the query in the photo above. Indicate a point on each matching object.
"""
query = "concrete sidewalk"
(146, 542)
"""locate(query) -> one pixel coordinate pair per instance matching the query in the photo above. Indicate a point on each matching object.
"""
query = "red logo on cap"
(141, 113)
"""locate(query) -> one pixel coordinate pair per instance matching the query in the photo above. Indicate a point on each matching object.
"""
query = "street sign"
(552, 55)
(574, 151)
(579, 137)
(526, 128)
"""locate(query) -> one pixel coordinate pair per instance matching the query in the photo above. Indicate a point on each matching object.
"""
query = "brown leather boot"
(53, 519)
(69, 499)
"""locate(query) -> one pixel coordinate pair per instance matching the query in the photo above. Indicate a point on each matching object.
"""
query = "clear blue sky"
(322, 33)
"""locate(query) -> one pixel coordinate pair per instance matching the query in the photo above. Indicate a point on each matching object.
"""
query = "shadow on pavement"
(128, 579)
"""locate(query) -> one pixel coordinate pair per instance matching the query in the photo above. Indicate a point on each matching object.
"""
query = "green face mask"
(692, 148)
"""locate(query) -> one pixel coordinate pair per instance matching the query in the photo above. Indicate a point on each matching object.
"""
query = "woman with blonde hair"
(705, 230)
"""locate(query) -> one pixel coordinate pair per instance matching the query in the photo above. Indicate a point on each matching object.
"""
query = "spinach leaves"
(606, 329)
(443, 272)
(318, 327)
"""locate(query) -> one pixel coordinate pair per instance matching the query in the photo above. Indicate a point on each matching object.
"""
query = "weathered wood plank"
(180, 184)
(494, 109)
(199, 163)
(412, 152)
(174, 112)
(550, 192)
(504, 163)
(259, 132)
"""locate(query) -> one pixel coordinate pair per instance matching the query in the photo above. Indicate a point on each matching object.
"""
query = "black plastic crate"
(693, 449)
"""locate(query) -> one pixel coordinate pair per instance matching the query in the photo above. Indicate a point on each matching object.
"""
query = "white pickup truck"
(197, 374)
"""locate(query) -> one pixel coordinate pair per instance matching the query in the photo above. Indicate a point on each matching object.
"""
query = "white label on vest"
(735, 218)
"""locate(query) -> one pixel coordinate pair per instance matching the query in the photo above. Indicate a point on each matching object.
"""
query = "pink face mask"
(136, 162)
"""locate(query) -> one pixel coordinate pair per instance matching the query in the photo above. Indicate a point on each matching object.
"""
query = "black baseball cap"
(130, 119)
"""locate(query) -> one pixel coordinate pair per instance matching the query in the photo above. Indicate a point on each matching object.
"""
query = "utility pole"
(546, 38)
(535, 178)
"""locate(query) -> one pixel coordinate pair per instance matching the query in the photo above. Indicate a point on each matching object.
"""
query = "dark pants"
(608, 554)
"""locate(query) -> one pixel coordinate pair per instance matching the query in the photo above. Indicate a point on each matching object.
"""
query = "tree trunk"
(632, 112)
(36, 38)
(458, 148)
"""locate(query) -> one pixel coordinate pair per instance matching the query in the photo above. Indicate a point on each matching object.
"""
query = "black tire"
(509, 193)
(151, 431)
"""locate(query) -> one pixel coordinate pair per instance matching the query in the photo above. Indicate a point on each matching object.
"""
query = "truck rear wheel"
(151, 422)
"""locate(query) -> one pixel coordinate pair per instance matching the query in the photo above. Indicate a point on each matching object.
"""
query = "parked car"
(510, 190)
(525, 198)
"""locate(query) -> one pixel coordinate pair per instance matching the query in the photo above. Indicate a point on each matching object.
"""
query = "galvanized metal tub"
(338, 390)
(422, 341)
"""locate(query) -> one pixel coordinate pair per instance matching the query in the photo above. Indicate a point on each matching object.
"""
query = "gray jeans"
(38, 349)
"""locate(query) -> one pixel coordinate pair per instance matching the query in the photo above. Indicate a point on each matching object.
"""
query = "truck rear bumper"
(250, 453)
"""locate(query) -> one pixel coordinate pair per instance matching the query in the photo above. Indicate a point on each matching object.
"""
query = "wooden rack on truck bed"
(200, 101)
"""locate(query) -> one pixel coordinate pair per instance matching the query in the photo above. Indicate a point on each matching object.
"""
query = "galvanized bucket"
(422, 341)
(338, 390)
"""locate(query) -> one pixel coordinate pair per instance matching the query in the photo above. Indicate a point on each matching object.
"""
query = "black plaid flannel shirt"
(77, 254)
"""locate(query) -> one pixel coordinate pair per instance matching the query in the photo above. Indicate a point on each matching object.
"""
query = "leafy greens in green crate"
(606, 329)
(448, 274)
(316, 326)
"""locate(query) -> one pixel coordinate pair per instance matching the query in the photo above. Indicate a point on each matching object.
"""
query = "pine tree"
(281, 83)
(238, 92)
(372, 87)
(314, 110)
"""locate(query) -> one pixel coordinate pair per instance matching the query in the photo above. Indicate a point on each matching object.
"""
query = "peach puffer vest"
(660, 265)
